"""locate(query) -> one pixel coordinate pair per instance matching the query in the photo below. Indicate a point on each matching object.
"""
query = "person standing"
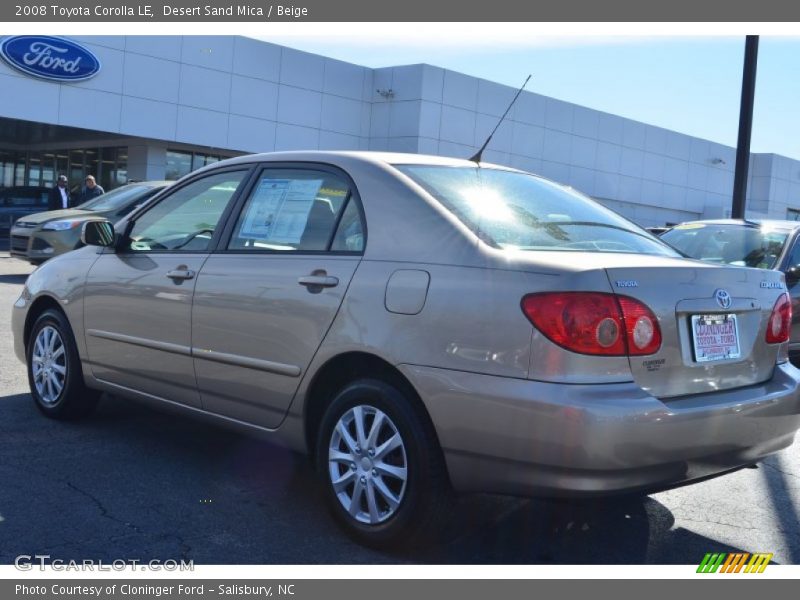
(59, 195)
(90, 190)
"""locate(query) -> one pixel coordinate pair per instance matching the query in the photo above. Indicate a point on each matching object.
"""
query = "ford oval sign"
(49, 57)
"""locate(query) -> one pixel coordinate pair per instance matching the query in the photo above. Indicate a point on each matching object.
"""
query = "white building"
(161, 106)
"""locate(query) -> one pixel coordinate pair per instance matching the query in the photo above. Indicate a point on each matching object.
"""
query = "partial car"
(759, 243)
(41, 236)
(418, 326)
(18, 201)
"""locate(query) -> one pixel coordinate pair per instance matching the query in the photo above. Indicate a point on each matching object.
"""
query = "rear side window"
(350, 233)
(298, 210)
(517, 211)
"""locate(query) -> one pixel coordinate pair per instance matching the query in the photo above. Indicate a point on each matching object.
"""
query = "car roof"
(387, 158)
(765, 223)
(157, 183)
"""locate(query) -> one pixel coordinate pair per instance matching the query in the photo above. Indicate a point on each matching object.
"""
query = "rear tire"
(392, 488)
(54, 369)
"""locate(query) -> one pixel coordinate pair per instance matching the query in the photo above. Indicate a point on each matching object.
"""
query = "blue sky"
(688, 84)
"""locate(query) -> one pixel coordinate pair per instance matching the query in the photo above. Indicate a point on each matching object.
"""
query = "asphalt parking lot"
(131, 482)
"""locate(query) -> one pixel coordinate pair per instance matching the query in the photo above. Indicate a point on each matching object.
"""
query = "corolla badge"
(723, 298)
(49, 57)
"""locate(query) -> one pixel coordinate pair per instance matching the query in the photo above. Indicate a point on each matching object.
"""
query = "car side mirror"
(793, 274)
(97, 233)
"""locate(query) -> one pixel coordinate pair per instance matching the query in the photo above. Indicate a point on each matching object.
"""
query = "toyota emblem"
(723, 298)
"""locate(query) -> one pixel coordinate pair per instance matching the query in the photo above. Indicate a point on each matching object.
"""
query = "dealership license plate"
(715, 337)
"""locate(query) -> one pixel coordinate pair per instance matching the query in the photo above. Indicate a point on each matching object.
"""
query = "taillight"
(641, 325)
(594, 322)
(780, 321)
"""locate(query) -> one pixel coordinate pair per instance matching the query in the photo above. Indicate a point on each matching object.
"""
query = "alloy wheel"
(49, 364)
(367, 464)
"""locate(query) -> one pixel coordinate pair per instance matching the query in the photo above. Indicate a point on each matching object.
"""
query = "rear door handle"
(180, 274)
(320, 281)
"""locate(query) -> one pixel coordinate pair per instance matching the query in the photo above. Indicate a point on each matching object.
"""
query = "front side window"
(733, 244)
(517, 211)
(292, 210)
(186, 219)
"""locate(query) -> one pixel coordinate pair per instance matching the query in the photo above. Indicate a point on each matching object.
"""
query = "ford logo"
(49, 57)
(723, 298)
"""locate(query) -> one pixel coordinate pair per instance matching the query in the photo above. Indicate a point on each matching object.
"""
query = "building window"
(792, 214)
(180, 163)
(42, 167)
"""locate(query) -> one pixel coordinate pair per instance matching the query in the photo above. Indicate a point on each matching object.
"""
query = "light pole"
(745, 127)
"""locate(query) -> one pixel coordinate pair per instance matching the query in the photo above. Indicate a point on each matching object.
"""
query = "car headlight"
(60, 225)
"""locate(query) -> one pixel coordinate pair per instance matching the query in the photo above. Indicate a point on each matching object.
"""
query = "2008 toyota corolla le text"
(419, 326)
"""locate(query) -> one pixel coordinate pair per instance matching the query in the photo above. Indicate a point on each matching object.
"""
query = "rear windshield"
(517, 211)
(119, 198)
(740, 245)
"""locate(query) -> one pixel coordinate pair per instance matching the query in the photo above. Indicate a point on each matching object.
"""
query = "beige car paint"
(513, 411)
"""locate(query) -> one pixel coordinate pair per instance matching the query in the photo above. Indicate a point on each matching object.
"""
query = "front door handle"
(318, 281)
(180, 274)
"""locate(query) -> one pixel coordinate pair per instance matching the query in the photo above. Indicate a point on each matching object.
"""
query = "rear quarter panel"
(472, 321)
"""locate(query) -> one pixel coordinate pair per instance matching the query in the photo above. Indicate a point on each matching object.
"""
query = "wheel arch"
(345, 368)
(38, 306)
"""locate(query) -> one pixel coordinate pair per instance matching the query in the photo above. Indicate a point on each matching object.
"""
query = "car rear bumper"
(533, 438)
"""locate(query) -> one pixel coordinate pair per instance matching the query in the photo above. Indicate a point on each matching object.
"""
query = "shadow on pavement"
(131, 482)
(774, 473)
(600, 531)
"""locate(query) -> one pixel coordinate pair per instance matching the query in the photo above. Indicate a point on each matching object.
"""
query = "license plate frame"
(718, 344)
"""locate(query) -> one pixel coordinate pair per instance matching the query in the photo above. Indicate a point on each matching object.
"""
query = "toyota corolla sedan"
(418, 326)
(41, 236)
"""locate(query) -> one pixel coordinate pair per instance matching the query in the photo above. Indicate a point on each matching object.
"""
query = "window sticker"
(279, 210)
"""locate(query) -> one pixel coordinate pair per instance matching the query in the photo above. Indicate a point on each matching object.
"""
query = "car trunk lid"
(676, 290)
(713, 323)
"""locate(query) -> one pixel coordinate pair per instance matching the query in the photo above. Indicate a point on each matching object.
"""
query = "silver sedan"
(418, 326)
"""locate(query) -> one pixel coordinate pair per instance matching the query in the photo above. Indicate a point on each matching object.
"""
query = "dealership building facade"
(159, 107)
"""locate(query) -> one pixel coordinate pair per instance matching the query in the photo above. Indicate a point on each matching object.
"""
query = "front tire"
(54, 369)
(382, 471)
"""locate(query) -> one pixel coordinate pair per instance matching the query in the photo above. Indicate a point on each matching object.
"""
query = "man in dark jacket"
(90, 190)
(59, 195)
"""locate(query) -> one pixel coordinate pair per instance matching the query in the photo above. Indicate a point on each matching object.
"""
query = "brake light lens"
(780, 321)
(594, 322)
(641, 325)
